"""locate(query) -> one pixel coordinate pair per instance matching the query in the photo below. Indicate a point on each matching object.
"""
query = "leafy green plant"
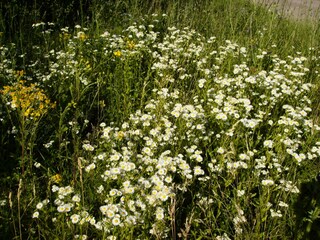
(195, 121)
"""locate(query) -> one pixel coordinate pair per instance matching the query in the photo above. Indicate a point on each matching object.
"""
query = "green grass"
(159, 120)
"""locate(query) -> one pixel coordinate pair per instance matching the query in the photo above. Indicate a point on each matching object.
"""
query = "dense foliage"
(130, 126)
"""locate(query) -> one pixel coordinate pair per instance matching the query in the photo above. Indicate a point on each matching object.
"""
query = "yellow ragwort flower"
(56, 178)
(130, 44)
(82, 36)
(30, 101)
(117, 53)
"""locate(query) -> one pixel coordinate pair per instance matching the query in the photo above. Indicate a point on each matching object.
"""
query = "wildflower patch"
(213, 142)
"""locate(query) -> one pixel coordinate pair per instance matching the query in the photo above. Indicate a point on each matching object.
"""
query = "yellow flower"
(82, 36)
(56, 178)
(102, 103)
(30, 101)
(117, 53)
(130, 44)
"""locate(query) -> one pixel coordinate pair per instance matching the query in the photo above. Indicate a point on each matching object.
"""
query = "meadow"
(126, 119)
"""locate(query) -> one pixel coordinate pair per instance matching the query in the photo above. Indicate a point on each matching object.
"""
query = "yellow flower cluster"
(56, 178)
(30, 101)
(82, 36)
(130, 44)
(117, 53)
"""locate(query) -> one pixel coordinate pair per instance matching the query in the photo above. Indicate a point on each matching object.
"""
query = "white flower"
(100, 189)
(113, 192)
(198, 171)
(112, 238)
(37, 165)
(129, 190)
(201, 83)
(268, 143)
(75, 218)
(104, 209)
(110, 213)
(223, 237)
(283, 204)
(35, 214)
(243, 156)
(147, 151)
(49, 144)
(267, 182)
(68, 206)
(275, 213)
(240, 193)
(3, 202)
(88, 147)
(163, 196)
(76, 198)
(220, 150)
(116, 221)
(159, 213)
(90, 167)
(61, 208)
(221, 116)
(55, 188)
(81, 237)
(39, 205)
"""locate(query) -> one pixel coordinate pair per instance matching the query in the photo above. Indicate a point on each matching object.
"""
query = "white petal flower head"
(37, 165)
(198, 171)
(201, 83)
(283, 204)
(116, 221)
(55, 188)
(113, 192)
(75, 218)
(221, 116)
(110, 213)
(88, 147)
(76, 198)
(68, 207)
(240, 193)
(39, 205)
(223, 237)
(104, 209)
(90, 167)
(268, 143)
(163, 196)
(112, 238)
(275, 213)
(159, 214)
(220, 150)
(35, 214)
(267, 182)
(61, 208)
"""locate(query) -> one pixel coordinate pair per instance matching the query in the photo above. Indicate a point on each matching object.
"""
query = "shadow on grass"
(307, 209)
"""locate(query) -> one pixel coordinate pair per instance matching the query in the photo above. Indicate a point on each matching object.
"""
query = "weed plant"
(166, 120)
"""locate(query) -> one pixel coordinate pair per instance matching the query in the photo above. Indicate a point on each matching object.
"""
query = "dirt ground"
(299, 9)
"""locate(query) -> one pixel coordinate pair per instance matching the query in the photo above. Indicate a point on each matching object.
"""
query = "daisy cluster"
(81, 55)
(216, 115)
